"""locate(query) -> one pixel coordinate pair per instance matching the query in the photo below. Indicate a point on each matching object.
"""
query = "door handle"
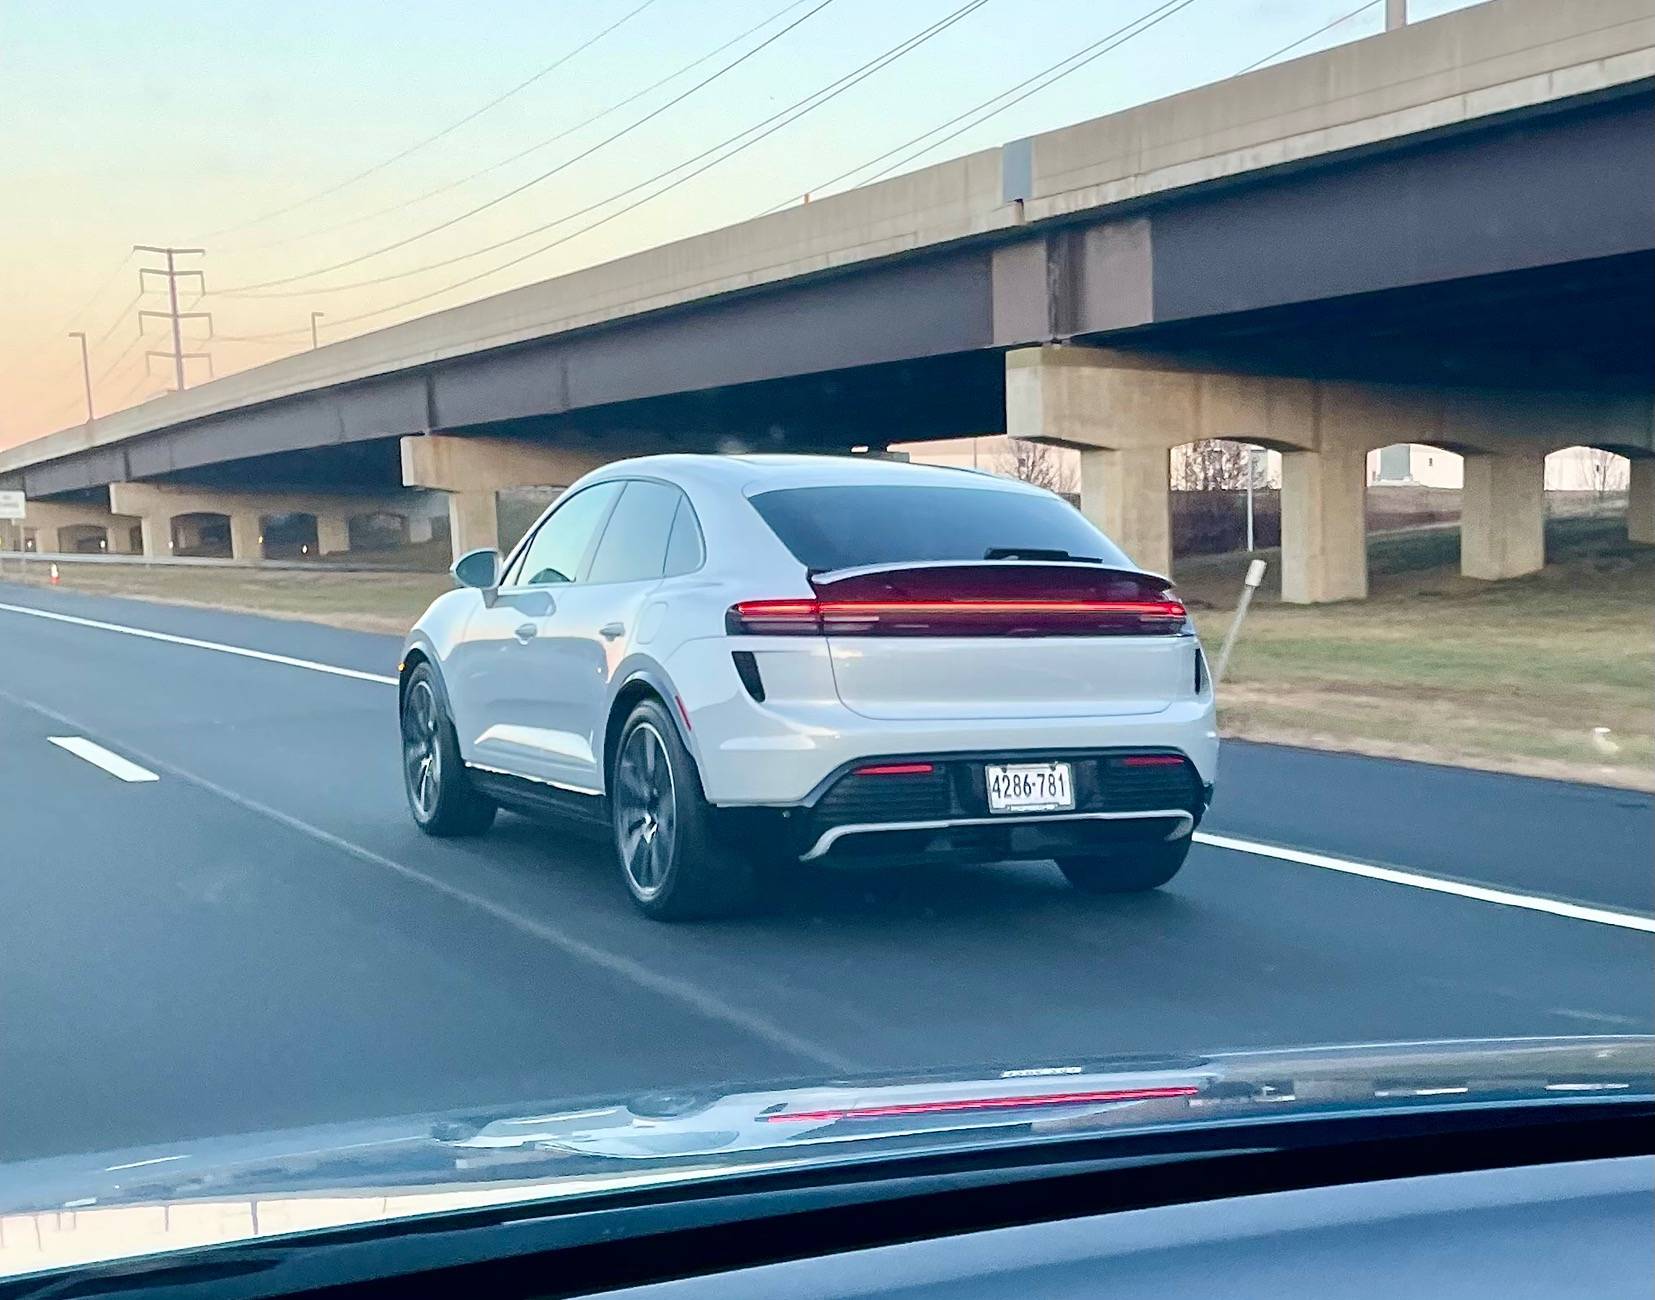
(609, 631)
(525, 633)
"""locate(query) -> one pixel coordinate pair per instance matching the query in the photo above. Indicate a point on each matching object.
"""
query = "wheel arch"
(417, 653)
(643, 684)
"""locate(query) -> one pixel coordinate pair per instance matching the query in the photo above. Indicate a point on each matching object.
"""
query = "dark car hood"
(225, 1189)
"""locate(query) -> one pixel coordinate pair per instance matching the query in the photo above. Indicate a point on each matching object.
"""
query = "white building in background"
(1410, 463)
(1574, 469)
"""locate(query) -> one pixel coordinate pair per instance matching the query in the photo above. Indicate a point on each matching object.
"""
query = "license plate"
(1029, 787)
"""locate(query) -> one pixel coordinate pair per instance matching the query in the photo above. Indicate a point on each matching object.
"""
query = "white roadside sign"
(11, 505)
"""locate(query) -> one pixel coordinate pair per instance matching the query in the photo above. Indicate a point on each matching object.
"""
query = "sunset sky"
(186, 124)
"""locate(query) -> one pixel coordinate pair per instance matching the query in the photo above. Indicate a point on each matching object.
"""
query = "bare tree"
(1212, 466)
(1607, 474)
(1037, 463)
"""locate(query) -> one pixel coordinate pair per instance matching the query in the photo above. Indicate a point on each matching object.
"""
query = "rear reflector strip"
(896, 769)
(955, 1105)
(1153, 760)
(965, 617)
(747, 668)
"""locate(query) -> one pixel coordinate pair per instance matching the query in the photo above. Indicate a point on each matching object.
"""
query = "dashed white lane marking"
(263, 655)
(1436, 884)
(98, 756)
(668, 984)
(1390, 875)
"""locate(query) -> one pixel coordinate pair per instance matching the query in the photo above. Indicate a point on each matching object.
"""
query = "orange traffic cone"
(55, 579)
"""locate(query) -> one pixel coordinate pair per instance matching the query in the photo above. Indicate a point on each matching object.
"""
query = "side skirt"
(541, 799)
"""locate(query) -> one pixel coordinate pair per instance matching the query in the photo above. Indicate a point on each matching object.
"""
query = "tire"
(440, 794)
(672, 862)
(1134, 869)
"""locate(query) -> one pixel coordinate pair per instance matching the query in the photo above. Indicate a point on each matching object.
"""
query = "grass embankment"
(1510, 675)
(1513, 675)
(367, 602)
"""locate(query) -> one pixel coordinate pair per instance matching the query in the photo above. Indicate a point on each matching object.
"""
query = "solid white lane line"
(264, 655)
(98, 756)
(668, 983)
(1481, 893)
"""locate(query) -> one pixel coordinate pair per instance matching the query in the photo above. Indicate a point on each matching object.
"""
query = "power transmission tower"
(173, 275)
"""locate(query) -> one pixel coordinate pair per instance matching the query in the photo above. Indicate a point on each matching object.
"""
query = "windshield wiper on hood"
(1037, 553)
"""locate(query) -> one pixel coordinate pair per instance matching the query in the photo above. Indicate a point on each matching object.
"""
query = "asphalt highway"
(216, 916)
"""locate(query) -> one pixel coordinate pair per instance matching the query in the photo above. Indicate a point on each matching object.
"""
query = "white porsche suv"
(744, 663)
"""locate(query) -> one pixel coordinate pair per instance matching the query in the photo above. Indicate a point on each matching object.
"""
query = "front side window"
(555, 553)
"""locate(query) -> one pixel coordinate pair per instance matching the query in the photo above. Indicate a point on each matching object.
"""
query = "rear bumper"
(940, 809)
(753, 754)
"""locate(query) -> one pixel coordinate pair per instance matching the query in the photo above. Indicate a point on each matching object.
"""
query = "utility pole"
(85, 370)
(314, 317)
(1396, 14)
(173, 275)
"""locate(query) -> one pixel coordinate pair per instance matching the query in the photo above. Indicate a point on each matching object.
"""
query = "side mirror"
(480, 569)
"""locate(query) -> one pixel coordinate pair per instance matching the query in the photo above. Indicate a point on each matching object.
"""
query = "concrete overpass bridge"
(1441, 235)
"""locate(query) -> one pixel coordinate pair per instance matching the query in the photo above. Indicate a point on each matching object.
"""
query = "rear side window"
(847, 526)
(634, 545)
(685, 552)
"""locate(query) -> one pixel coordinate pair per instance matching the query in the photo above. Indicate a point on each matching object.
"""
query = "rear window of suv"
(844, 527)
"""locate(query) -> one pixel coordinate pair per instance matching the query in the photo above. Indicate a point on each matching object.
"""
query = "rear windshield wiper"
(1037, 553)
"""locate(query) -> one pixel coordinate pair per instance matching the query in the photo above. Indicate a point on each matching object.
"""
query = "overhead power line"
(69, 322)
(142, 378)
(103, 286)
(739, 140)
(274, 336)
(1078, 59)
(124, 353)
(434, 137)
(1303, 40)
(402, 205)
(544, 176)
(1047, 76)
(119, 317)
(1160, 17)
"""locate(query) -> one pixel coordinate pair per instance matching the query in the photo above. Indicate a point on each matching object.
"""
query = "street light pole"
(85, 371)
(314, 317)
(1396, 14)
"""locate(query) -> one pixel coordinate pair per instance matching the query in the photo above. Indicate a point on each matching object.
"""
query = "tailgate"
(1005, 641)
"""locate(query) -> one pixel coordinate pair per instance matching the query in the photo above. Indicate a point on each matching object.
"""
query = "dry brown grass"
(1511, 675)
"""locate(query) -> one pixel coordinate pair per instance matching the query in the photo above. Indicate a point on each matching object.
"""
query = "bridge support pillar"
(1127, 413)
(472, 470)
(1125, 410)
(157, 535)
(157, 505)
(1640, 500)
(1503, 515)
(1324, 538)
(333, 533)
(246, 535)
(61, 525)
(1128, 494)
(473, 520)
